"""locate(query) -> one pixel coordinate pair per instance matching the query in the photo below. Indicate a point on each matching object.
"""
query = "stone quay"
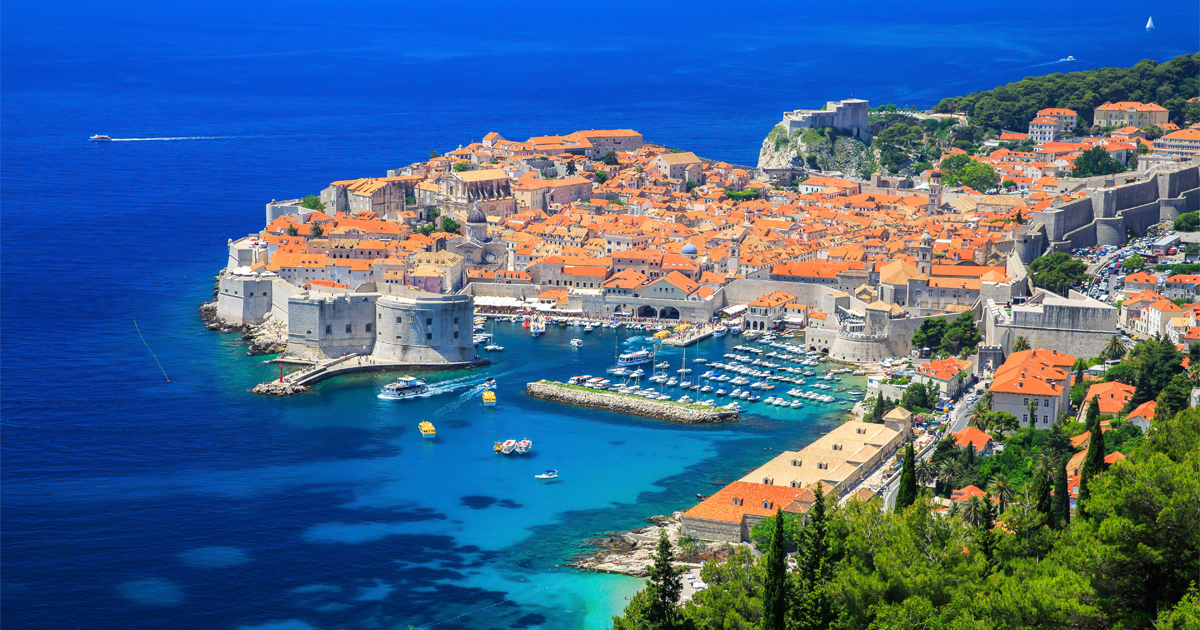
(663, 410)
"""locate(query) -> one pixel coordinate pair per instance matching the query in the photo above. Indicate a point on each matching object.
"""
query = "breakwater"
(660, 409)
(299, 382)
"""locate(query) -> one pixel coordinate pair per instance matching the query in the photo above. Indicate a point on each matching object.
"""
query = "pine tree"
(775, 588)
(1062, 500)
(1093, 464)
(665, 584)
(906, 494)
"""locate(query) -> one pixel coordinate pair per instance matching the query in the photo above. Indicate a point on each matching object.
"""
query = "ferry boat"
(427, 430)
(100, 138)
(524, 446)
(640, 357)
(404, 387)
(549, 474)
(489, 398)
(720, 331)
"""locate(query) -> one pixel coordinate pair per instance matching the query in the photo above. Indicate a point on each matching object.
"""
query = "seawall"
(672, 411)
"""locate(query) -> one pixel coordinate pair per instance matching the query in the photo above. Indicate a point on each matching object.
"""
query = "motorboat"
(700, 360)
(720, 392)
(662, 366)
(427, 430)
(685, 399)
(507, 446)
(493, 348)
(100, 138)
(524, 446)
(753, 398)
(720, 331)
(490, 383)
(489, 398)
(684, 370)
(639, 357)
(796, 404)
(672, 382)
(589, 328)
(549, 474)
(404, 387)
(577, 343)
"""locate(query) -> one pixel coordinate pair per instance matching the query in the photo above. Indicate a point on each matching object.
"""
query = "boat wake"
(474, 389)
(179, 138)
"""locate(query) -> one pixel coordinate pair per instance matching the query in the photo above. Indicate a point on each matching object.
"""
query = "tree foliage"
(1013, 105)
(1057, 272)
(312, 202)
(906, 494)
(960, 170)
(1094, 162)
(1187, 222)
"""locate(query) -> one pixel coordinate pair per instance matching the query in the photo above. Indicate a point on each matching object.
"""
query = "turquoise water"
(330, 506)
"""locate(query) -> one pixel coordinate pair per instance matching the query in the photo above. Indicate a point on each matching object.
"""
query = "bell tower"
(935, 192)
(925, 254)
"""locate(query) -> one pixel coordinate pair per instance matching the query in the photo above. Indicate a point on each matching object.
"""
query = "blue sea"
(145, 487)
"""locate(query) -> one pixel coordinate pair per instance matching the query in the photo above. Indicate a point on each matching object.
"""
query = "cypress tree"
(775, 588)
(985, 540)
(1062, 499)
(1040, 492)
(813, 611)
(1093, 413)
(906, 494)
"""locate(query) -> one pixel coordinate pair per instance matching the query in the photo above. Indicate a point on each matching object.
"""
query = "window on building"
(1024, 417)
(369, 327)
(397, 336)
(328, 329)
(766, 505)
(428, 336)
(455, 320)
(428, 321)
(456, 334)
(349, 329)
(399, 320)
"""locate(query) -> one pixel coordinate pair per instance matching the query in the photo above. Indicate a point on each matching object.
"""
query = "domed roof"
(476, 215)
(690, 250)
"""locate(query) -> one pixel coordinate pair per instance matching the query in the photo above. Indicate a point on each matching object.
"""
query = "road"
(957, 420)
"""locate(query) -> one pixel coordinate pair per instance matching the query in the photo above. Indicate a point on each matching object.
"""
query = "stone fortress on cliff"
(848, 115)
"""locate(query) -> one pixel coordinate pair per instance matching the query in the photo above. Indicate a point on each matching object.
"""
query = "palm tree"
(1115, 349)
(972, 510)
(946, 473)
(979, 417)
(1002, 489)
(1020, 343)
(1194, 372)
(926, 472)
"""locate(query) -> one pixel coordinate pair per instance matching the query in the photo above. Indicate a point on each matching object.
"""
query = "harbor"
(671, 410)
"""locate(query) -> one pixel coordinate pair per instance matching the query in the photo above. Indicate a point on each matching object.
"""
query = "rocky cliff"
(829, 150)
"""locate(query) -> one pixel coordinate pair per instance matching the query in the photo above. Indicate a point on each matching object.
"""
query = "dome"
(690, 250)
(476, 215)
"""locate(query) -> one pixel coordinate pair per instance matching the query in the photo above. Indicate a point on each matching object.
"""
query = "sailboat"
(1150, 24)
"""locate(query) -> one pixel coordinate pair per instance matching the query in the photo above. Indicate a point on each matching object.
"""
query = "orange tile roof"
(1113, 395)
(721, 506)
(973, 436)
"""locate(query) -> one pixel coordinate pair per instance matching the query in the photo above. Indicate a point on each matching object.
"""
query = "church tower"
(935, 192)
(732, 264)
(925, 254)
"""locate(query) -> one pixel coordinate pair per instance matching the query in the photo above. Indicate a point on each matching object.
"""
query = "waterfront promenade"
(300, 380)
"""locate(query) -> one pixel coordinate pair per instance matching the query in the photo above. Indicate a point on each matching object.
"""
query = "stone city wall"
(711, 531)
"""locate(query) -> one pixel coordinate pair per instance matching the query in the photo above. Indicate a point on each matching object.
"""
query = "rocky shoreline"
(672, 411)
(269, 337)
(629, 553)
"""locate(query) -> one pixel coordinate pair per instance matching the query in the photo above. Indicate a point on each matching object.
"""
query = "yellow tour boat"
(427, 429)
(489, 398)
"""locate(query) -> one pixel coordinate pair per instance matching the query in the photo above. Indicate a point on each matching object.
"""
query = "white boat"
(1150, 24)
(507, 446)
(640, 357)
(549, 474)
(662, 366)
(493, 348)
(700, 360)
(489, 384)
(588, 328)
(104, 138)
(578, 343)
(706, 389)
(404, 387)
(522, 447)
(684, 370)
(672, 382)
(720, 331)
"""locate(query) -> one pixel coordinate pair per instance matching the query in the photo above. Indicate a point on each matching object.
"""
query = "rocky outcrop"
(841, 153)
(629, 553)
(663, 410)
(269, 337)
(276, 388)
